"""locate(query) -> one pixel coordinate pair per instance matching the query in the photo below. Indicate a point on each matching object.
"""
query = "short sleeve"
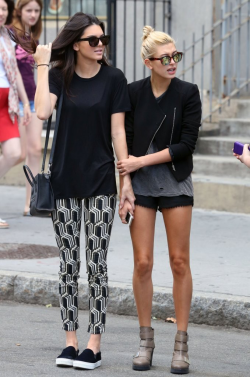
(55, 81)
(121, 101)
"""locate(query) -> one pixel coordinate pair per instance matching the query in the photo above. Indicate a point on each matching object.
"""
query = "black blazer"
(177, 126)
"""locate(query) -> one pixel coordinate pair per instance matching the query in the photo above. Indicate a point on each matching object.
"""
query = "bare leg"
(31, 148)
(71, 339)
(11, 152)
(142, 234)
(178, 224)
(22, 132)
(94, 342)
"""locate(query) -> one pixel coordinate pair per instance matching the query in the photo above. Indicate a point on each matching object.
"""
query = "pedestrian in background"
(162, 131)
(11, 86)
(95, 99)
(27, 19)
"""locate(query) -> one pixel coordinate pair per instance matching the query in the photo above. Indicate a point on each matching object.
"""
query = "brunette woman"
(162, 131)
(27, 18)
(95, 100)
(11, 86)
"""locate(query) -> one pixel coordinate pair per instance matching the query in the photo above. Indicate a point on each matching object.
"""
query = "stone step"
(218, 145)
(239, 127)
(243, 108)
(209, 129)
(221, 193)
(218, 166)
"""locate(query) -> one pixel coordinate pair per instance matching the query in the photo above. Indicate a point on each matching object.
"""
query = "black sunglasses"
(94, 41)
(165, 60)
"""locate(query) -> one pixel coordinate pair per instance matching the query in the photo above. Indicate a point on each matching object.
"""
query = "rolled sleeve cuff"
(171, 153)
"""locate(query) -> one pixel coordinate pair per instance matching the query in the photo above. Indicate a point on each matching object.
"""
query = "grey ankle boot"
(180, 362)
(143, 359)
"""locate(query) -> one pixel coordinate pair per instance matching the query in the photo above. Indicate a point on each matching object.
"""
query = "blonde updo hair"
(151, 39)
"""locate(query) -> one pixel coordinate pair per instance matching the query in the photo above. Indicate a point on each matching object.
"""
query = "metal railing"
(222, 54)
(129, 17)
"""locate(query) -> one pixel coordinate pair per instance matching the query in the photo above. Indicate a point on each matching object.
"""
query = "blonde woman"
(27, 18)
(162, 131)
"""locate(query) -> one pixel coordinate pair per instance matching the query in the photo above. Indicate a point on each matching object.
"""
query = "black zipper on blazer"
(155, 134)
(154, 137)
(173, 167)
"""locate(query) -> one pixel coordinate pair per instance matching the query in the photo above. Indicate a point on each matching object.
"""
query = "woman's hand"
(124, 210)
(26, 114)
(129, 165)
(43, 54)
(245, 157)
(127, 194)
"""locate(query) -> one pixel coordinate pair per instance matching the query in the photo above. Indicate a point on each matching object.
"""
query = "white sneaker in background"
(3, 224)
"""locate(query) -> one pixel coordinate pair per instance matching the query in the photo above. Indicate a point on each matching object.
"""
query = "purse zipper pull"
(173, 167)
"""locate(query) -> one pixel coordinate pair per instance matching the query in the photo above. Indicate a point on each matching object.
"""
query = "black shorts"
(161, 202)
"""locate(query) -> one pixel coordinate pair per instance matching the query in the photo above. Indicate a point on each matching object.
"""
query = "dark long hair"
(11, 7)
(63, 56)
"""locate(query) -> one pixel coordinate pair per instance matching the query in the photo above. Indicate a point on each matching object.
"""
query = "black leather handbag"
(42, 201)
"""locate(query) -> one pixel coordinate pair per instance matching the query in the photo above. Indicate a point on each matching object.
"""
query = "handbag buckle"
(49, 171)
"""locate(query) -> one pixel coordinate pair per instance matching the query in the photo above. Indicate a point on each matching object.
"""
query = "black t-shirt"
(83, 163)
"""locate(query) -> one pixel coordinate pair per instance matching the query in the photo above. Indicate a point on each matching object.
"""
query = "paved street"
(220, 264)
(220, 255)
(31, 338)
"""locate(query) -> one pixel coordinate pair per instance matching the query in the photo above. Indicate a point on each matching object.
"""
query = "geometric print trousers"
(99, 214)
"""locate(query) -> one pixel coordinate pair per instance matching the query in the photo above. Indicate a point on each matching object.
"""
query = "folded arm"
(133, 163)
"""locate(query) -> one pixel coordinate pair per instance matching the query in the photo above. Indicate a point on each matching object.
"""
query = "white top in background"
(4, 82)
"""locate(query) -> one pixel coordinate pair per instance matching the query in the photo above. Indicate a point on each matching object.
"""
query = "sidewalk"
(220, 262)
(34, 339)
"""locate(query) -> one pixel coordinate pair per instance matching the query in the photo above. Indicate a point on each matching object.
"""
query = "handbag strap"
(29, 176)
(58, 114)
(46, 142)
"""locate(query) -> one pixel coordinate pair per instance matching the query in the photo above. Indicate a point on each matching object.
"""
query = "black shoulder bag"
(42, 201)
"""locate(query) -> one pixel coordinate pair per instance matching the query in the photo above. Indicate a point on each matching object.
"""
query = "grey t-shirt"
(156, 180)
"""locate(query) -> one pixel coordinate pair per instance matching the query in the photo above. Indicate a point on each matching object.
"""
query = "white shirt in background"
(4, 82)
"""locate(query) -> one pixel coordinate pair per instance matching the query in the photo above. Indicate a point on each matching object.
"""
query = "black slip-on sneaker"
(88, 360)
(67, 357)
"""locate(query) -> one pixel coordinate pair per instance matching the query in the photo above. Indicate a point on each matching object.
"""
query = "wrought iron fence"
(218, 59)
(124, 20)
(56, 12)
(221, 56)
(128, 19)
